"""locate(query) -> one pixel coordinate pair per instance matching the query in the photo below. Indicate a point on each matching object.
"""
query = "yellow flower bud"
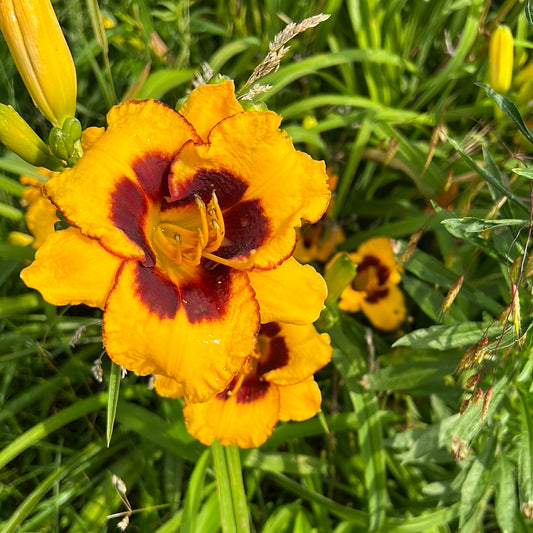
(17, 135)
(501, 59)
(41, 56)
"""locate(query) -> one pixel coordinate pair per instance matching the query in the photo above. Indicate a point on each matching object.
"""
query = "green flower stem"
(230, 488)
(240, 506)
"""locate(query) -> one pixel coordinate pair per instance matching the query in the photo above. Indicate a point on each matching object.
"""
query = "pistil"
(187, 246)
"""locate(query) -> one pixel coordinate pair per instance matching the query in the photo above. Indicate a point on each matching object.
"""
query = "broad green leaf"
(446, 337)
(506, 503)
(524, 172)
(525, 452)
(510, 109)
(460, 227)
(477, 479)
(413, 375)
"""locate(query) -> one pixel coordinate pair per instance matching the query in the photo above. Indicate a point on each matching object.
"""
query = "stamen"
(202, 237)
(179, 256)
(173, 228)
(233, 263)
(203, 216)
(217, 213)
(238, 385)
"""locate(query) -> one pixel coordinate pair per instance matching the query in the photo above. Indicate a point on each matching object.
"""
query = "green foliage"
(426, 429)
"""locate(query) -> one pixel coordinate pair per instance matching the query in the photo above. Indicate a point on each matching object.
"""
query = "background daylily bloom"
(41, 213)
(374, 289)
(182, 227)
(276, 384)
(41, 55)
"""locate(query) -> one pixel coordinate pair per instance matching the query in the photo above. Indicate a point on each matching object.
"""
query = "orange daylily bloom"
(182, 227)
(374, 290)
(41, 213)
(276, 384)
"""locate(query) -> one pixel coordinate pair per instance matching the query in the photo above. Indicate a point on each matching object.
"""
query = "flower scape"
(182, 226)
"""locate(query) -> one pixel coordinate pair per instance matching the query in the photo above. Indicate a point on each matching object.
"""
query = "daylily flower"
(276, 384)
(374, 289)
(41, 55)
(183, 225)
(41, 213)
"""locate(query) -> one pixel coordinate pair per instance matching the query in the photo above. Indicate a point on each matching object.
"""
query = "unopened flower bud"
(41, 55)
(501, 59)
(17, 135)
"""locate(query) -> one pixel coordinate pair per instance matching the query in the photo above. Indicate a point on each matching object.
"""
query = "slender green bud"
(17, 135)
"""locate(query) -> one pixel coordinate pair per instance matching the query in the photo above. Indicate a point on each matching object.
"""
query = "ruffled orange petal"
(245, 423)
(207, 105)
(291, 293)
(168, 387)
(40, 219)
(70, 268)
(294, 352)
(300, 401)
(90, 136)
(108, 192)
(275, 185)
(388, 312)
(199, 333)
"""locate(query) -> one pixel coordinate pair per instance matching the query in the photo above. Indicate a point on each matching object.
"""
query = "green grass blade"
(112, 399)
(194, 494)
(359, 518)
(51, 424)
(78, 462)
